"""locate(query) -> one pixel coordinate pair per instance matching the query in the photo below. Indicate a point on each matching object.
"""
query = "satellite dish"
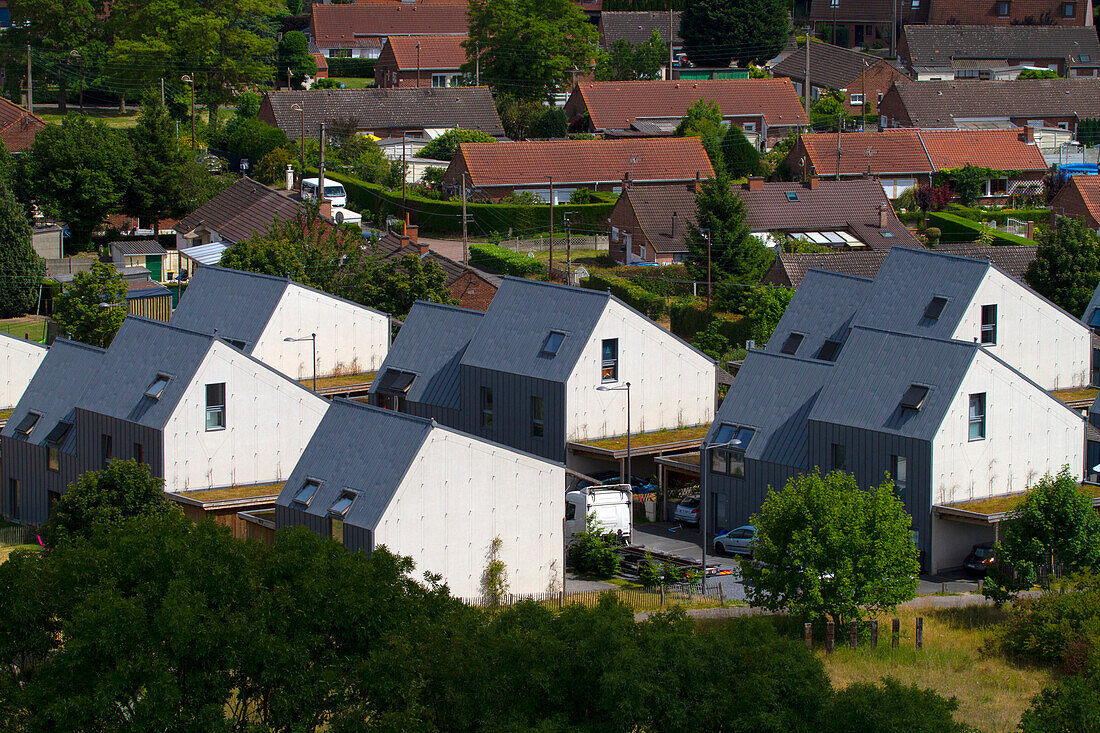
(339, 217)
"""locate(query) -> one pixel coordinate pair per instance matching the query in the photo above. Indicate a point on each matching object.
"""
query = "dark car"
(637, 484)
(981, 559)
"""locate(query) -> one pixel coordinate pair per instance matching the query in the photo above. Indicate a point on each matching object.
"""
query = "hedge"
(688, 318)
(503, 260)
(434, 216)
(1001, 215)
(358, 68)
(958, 229)
(633, 295)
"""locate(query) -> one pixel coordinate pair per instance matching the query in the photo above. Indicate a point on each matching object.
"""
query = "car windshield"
(334, 190)
(983, 552)
(689, 503)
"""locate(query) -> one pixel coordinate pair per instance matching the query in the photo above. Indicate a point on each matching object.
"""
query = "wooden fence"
(18, 536)
(640, 599)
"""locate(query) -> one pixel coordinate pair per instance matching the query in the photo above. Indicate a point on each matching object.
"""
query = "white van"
(610, 505)
(334, 192)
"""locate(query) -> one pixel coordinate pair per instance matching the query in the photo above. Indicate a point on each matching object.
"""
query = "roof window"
(340, 508)
(396, 381)
(914, 397)
(553, 343)
(886, 234)
(829, 350)
(792, 195)
(733, 436)
(307, 492)
(935, 308)
(26, 425)
(57, 435)
(157, 387)
(792, 343)
(1094, 319)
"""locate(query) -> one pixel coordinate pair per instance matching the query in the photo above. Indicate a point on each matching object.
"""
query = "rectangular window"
(998, 186)
(439, 81)
(53, 458)
(977, 416)
(215, 406)
(749, 127)
(609, 360)
(1069, 10)
(1002, 9)
(26, 425)
(855, 99)
(538, 417)
(339, 53)
(486, 407)
(336, 529)
(552, 343)
(139, 452)
(14, 498)
(1095, 367)
(935, 308)
(899, 470)
(989, 324)
(840, 457)
(105, 449)
(728, 462)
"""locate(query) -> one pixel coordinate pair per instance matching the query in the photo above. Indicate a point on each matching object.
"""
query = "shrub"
(933, 234)
(636, 297)
(961, 229)
(1057, 628)
(582, 196)
(1073, 704)
(358, 68)
(711, 341)
(504, 261)
(594, 552)
(272, 167)
(891, 708)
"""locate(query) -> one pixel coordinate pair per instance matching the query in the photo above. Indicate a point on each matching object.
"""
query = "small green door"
(153, 263)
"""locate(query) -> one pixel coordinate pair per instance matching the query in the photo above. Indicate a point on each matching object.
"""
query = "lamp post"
(624, 387)
(189, 79)
(704, 470)
(302, 129)
(312, 337)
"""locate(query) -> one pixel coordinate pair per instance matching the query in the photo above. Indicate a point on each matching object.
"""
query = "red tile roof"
(436, 52)
(614, 105)
(353, 25)
(998, 149)
(584, 161)
(17, 126)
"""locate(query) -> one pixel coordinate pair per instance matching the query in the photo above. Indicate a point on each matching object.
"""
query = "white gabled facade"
(459, 494)
(671, 384)
(1048, 345)
(268, 421)
(19, 360)
(351, 339)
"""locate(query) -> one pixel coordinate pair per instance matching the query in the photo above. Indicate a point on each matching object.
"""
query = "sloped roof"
(615, 105)
(236, 305)
(137, 247)
(390, 245)
(435, 52)
(413, 108)
(584, 161)
(1013, 260)
(998, 149)
(240, 211)
(939, 45)
(793, 267)
(1089, 189)
(431, 345)
(637, 26)
(938, 103)
(871, 11)
(347, 26)
(824, 308)
(17, 126)
(830, 66)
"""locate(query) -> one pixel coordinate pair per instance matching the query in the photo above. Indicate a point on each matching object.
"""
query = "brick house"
(360, 30)
(865, 23)
(860, 76)
(18, 126)
(1011, 12)
(472, 289)
(420, 61)
(1079, 199)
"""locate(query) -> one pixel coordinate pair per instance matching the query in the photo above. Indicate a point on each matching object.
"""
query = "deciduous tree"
(294, 58)
(1066, 267)
(703, 120)
(93, 306)
(626, 61)
(446, 145)
(21, 269)
(719, 32)
(155, 187)
(392, 286)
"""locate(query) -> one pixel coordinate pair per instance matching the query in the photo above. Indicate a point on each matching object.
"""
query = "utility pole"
(807, 79)
(551, 227)
(894, 30)
(670, 36)
(418, 64)
(477, 64)
(302, 134)
(321, 168)
(863, 90)
(839, 125)
(568, 253)
(707, 231)
(161, 89)
(30, 83)
(404, 201)
(190, 79)
(465, 242)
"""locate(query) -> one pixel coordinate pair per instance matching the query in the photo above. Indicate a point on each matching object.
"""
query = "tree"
(967, 183)
(551, 124)
(21, 269)
(518, 117)
(703, 120)
(155, 187)
(740, 156)
(1055, 525)
(828, 110)
(719, 32)
(626, 61)
(890, 708)
(764, 306)
(1066, 267)
(271, 254)
(253, 139)
(446, 145)
(294, 58)
(59, 27)
(122, 490)
(505, 35)
(735, 255)
(1038, 74)
(93, 306)
(392, 286)
(79, 171)
(711, 341)
(825, 547)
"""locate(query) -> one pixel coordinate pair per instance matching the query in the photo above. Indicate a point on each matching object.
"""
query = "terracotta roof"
(940, 103)
(830, 66)
(998, 149)
(468, 107)
(637, 26)
(584, 161)
(348, 26)
(17, 126)
(939, 45)
(321, 61)
(238, 212)
(476, 295)
(614, 105)
(1027, 12)
(436, 52)
(1088, 189)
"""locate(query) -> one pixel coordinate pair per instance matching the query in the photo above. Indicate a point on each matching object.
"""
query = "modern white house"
(258, 313)
(19, 360)
(529, 371)
(430, 493)
(193, 407)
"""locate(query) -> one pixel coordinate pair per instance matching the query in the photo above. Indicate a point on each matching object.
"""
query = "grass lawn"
(6, 550)
(343, 380)
(33, 328)
(657, 437)
(588, 257)
(352, 82)
(1074, 394)
(108, 116)
(5, 414)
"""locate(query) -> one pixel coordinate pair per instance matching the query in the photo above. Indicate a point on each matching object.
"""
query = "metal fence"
(577, 242)
(640, 599)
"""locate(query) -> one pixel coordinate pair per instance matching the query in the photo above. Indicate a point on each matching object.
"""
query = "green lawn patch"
(1008, 502)
(109, 117)
(351, 82)
(342, 380)
(1077, 394)
(33, 329)
(657, 437)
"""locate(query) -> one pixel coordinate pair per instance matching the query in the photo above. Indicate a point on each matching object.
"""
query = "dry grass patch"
(6, 550)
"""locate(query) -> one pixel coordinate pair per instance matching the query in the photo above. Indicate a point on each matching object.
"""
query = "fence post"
(852, 631)
(808, 635)
(561, 600)
(920, 632)
(829, 633)
(721, 594)
(874, 634)
(661, 592)
(895, 633)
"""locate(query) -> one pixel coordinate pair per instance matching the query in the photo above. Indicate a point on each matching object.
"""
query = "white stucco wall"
(19, 360)
(671, 385)
(269, 421)
(350, 339)
(1028, 434)
(458, 495)
(1049, 346)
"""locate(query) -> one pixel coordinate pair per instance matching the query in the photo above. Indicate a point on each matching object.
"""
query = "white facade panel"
(1051, 347)
(268, 422)
(19, 360)
(350, 339)
(461, 493)
(671, 384)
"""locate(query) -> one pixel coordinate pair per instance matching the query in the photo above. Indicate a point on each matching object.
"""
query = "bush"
(959, 229)
(711, 341)
(1057, 628)
(891, 708)
(446, 145)
(253, 139)
(1072, 705)
(504, 261)
(357, 68)
(933, 234)
(636, 297)
(593, 552)
(272, 167)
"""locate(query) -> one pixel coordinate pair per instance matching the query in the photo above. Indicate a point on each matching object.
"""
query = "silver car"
(736, 542)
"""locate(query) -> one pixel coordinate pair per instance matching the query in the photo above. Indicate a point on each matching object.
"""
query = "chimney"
(694, 185)
(326, 209)
(289, 177)
(813, 182)
(626, 180)
(1027, 135)
(756, 183)
(1030, 233)
(883, 216)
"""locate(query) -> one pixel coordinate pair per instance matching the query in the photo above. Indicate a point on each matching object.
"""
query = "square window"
(792, 195)
(215, 406)
(486, 407)
(609, 362)
(989, 324)
(553, 343)
(725, 434)
(977, 416)
(840, 457)
(538, 417)
(790, 346)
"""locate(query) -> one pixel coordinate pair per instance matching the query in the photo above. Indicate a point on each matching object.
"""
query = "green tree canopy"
(703, 120)
(393, 285)
(1071, 705)
(764, 306)
(1066, 267)
(740, 157)
(21, 269)
(79, 171)
(1038, 74)
(734, 253)
(626, 61)
(826, 548)
(446, 145)
(720, 32)
(890, 708)
(528, 47)
(92, 307)
(294, 58)
(154, 190)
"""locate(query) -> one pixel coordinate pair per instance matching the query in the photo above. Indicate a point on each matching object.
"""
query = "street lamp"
(312, 337)
(302, 110)
(189, 79)
(704, 470)
(624, 387)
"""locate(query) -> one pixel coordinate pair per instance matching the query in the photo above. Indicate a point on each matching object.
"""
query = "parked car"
(736, 541)
(687, 511)
(981, 559)
(638, 484)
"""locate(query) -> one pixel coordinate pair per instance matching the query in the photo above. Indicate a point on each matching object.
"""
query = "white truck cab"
(334, 191)
(609, 504)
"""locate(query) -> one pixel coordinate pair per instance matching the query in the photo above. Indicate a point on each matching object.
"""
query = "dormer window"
(913, 398)
(790, 346)
(1069, 10)
(1003, 8)
(157, 387)
(935, 308)
(552, 343)
(26, 425)
(307, 492)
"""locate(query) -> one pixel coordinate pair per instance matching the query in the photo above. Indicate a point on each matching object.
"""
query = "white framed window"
(977, 416)
(749, 127)
(339, 53)
(215, 406)
(855, 99)
(441, 80)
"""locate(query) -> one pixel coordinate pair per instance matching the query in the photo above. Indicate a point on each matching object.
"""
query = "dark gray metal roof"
(522, 315)
(1094, 303)
(874, 371)
(67, 369)
(431, 344)
(774, 394)
(823, 308)
(238, 305)
(137, 247)
(335, 457)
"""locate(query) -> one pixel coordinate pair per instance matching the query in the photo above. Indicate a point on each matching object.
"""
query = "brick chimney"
(1027, 135)
(412, 233)
(326, 209)
(883, 216)
(813, 182)
(694, 185)
(756, 183)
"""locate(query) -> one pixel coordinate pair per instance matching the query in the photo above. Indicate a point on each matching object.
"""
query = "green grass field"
(109, 117)
(32, 328)
(351, 82)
